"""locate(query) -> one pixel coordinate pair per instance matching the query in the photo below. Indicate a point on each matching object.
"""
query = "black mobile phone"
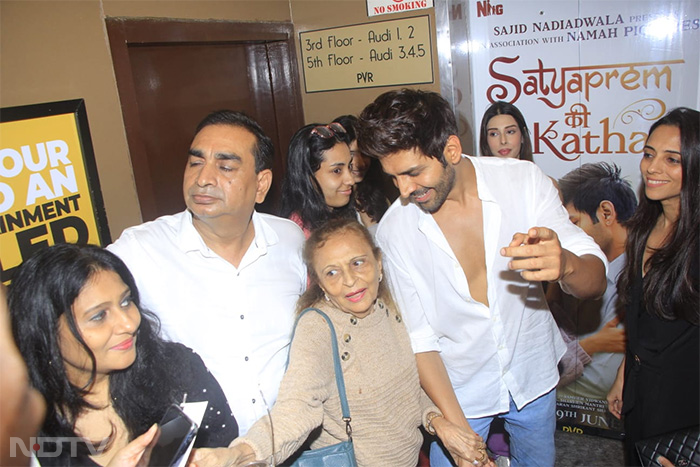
(175, 433)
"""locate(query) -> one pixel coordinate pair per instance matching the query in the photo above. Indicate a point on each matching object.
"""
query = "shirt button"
(242, 316)
(253, 401)
(345, 356)
(398, 318)
(246, 359)
(347, 338)
(353, 320)
(381, 305)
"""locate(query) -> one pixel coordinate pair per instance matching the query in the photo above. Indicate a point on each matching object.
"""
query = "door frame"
(277, 36)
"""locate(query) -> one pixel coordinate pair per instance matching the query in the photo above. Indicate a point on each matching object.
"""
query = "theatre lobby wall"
(59, 50)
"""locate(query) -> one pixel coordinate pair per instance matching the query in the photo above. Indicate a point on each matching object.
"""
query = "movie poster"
(49, 190)
(590, 77)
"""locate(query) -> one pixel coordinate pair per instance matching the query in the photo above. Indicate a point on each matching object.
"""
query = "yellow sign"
(45, 186)
(386, 53)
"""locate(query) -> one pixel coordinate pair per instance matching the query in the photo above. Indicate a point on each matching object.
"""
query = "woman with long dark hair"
(657, 385)
(370, 201)
(504, 133)
(97, 359)
(319, 184)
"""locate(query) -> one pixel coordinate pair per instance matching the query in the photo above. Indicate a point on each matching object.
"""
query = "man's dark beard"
(442, 190)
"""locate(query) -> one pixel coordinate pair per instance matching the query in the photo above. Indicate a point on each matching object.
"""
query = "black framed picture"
(49, 187)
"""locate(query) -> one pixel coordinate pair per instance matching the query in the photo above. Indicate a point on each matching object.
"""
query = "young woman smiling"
(319, 182)
(98, 361)
(658, 382)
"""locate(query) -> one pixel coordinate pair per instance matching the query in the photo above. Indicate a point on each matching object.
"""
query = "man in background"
(600, 202)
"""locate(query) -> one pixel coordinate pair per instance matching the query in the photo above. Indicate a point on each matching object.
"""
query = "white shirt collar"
(189, 239)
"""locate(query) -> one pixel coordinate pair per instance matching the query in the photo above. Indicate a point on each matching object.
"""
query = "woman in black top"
(657, 385)
(98, 361)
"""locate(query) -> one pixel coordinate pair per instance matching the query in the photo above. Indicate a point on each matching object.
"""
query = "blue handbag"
(336, 455)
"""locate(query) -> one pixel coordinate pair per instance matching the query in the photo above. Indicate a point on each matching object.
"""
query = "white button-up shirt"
(239, 320)
(514, 344)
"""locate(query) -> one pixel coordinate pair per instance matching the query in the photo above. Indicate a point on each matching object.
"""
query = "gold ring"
(483, 457)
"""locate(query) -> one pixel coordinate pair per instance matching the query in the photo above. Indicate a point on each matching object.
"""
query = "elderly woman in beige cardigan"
(386, 401)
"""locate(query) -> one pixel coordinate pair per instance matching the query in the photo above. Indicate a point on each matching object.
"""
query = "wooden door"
(171, 73)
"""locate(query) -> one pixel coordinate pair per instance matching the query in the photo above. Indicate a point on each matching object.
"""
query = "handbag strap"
(339, 380)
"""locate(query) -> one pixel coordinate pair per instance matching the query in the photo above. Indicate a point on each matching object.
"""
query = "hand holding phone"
(132, 455)
(176, 431)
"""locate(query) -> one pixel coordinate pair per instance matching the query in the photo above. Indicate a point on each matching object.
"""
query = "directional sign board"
(386, 53)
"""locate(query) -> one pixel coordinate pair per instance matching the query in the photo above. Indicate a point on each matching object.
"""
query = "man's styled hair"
(590, 184)
(405, 120)
(263, 151)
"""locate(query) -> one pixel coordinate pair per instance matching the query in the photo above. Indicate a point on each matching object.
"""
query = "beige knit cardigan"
(386, 401)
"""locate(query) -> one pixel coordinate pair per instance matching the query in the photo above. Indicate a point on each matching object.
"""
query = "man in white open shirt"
(222, 278)
(466, 247)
